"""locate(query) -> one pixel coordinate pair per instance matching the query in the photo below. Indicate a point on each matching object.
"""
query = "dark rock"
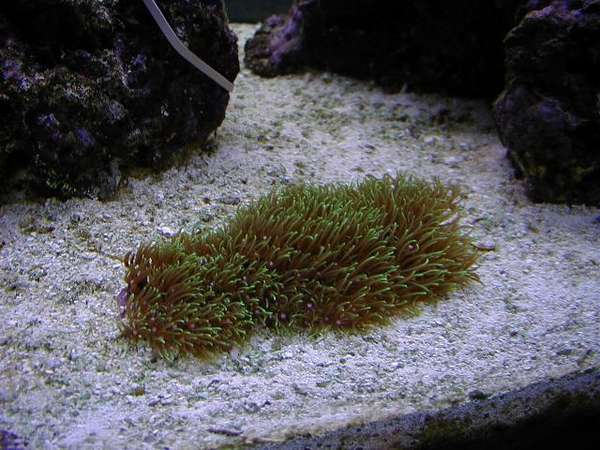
(549, 114)
(453, 47)
(89, 89)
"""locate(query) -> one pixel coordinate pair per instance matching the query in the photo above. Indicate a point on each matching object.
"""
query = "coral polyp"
(316, 258)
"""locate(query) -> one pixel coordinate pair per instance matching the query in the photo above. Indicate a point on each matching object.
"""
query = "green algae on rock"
(316, 258)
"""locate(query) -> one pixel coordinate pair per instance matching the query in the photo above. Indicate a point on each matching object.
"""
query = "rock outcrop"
(89, 89)
(453, 47)
(545, 54)
(549, 114)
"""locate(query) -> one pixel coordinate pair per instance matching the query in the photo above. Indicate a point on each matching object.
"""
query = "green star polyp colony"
(312, 258)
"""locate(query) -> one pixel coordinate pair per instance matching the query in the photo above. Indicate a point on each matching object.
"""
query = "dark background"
(255, 10)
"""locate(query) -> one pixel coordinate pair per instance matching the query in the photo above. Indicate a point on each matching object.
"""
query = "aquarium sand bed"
(68, 381)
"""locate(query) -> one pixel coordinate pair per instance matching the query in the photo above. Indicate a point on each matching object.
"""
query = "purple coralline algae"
(83, 84)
